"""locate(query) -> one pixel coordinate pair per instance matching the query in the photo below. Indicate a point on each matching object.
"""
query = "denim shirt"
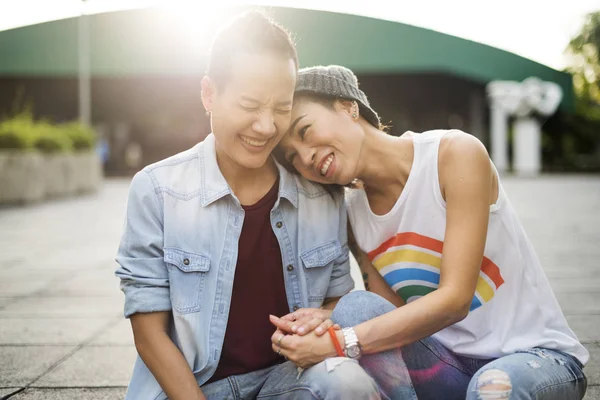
(179, 249)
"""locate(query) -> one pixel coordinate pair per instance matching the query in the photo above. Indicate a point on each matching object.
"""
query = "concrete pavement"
(62, 334)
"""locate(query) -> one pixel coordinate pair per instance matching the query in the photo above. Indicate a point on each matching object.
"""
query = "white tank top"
(513, 307)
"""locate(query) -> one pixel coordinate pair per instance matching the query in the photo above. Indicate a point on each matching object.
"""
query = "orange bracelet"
(336, 342)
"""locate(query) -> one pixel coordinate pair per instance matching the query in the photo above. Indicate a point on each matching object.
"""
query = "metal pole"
(83, 32)
(499, 139)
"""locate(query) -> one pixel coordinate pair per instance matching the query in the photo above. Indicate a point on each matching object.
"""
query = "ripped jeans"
(328, 380)
(434, 372)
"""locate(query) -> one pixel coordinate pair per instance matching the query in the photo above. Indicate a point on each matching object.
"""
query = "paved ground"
(62, 335)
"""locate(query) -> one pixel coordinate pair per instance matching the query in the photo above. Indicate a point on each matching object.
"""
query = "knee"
(492, 384)
(345, 379)
(360, 306)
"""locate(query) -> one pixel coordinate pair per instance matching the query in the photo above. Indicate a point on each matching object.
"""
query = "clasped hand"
(300, 336)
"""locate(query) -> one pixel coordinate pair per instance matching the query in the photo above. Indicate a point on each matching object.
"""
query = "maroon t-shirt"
(258, 290)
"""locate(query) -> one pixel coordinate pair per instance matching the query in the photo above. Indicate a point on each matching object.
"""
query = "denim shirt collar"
(214, 186)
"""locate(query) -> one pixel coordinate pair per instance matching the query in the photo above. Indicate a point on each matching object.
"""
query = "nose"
(307, 155)
(265, 124)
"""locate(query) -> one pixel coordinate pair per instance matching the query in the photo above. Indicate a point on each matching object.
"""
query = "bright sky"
(536, 29)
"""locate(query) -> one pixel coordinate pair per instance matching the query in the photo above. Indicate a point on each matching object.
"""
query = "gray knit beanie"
(336, 81)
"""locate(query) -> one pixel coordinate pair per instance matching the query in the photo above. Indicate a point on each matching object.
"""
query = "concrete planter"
(57, 175)
(29, 177)
(21, 177)
(87, 174)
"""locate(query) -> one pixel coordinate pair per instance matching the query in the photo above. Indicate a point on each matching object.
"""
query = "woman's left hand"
(303, 321)
(304, 351)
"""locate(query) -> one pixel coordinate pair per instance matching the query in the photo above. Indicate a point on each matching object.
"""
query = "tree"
(573, 139)
(584, 54)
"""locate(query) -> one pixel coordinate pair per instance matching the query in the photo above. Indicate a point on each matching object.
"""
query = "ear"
(346, 106)
(208, 93)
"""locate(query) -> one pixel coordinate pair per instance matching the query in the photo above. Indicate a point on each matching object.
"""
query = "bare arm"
(162, 357)
(373, 280)
(466, 179)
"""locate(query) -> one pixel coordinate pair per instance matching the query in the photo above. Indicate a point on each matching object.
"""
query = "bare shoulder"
(460, 145)
(462, 157)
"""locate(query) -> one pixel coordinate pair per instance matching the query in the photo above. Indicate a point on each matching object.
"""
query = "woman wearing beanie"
(456, 291)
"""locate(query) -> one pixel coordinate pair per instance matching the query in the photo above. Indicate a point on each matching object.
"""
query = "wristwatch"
(352, 347)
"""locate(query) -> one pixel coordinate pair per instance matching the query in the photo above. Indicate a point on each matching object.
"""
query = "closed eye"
(302, 131)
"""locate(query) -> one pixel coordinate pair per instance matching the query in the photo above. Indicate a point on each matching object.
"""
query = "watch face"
(353, 351)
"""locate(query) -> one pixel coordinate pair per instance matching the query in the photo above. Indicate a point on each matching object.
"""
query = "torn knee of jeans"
(332, 363)
(494, 384)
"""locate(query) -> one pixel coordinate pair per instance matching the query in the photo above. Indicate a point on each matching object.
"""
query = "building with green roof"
(146, 69)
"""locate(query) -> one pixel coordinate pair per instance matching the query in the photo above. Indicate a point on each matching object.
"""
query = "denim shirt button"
(186, 261)
(279, 224)
(296, 308)
(290, 267)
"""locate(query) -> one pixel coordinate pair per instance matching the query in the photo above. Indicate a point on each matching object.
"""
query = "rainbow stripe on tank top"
(410, 264)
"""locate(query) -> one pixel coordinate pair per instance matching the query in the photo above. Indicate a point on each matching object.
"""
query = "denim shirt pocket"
(318, 263)
(187, 273)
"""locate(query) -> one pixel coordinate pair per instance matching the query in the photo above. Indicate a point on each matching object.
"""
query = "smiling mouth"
(253, 142)
(326, 164)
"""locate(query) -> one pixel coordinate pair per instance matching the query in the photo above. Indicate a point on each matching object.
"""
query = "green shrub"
(12, 140)
(21, 132)
(16, 133)
(81, 136)
(50, 139)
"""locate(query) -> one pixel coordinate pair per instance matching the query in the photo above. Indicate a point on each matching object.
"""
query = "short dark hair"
(250, 32)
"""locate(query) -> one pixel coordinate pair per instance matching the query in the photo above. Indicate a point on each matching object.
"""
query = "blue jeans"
(344, 381)
(434, 372)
